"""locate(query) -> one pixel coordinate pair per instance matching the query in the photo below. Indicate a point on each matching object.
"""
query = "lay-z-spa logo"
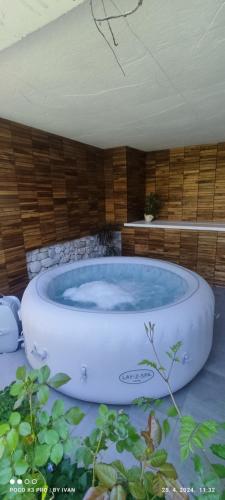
(136, 376)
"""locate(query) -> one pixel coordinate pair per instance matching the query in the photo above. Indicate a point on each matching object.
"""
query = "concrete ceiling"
(62, 77)
(19, 18)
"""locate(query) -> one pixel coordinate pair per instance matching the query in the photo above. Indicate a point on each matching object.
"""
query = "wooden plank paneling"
(26, 184)
(176, 179)
(135, 184)
(200, 251)
(191, 182)
(219, 190)
(206, 182)
(124, 184)
(12, 240)
(51, 189)
(162, 180)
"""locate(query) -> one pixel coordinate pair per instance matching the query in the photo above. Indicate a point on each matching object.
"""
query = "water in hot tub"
(117, 287)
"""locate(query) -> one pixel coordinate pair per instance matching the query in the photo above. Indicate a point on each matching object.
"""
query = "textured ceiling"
(63, 78)
(19, 18)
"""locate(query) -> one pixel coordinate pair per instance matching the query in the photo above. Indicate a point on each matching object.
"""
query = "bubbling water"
(101, 294)
(117, 287)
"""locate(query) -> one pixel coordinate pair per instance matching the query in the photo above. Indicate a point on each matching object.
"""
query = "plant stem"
(31, 424)
(173, 399)
(166, 379)
(95, 457)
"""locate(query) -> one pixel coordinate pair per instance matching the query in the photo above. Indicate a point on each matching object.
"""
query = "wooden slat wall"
(124, 184)
(51, 189)
(190, 181)
(135, 160)
(201, 251)
(115, 164)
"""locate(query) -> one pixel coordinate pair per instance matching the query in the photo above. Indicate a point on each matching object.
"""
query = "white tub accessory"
(10, 325)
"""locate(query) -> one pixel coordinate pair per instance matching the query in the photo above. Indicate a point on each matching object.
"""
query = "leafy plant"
(152, 473)
(106, 239)
(37, 445)
(28, 442)
(193, 435)
(69, 475)
(6, 404)
(153, 204)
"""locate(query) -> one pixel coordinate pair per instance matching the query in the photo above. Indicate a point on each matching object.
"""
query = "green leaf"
(197, 463)
(220, 470)
(168, 470)
(12, 439)
(43, 418)
(43, 374)
(118, 493)
(41, 436)
(158, 458)
(68, 446)
(194, 434)
(103, 410)
(148, 363)
(74, 416)
(148, 479)
(42, 453)
(2, 447)
(106, 474)
(218, 450)
(138, 449)
(21, 467)
(61, 427)
(83, 454)
(51, 437)
(166, 427)
(17, 455)
(176, 347)
(33, 375)
(58, 409)
(158, 484)
(172, 411)
(16, 388)
(208, 428)
(119, 467)
(14, 419)
(43, 394)
(5, 475)
(21, 373)
(4, 428)
(58, 380)
(133, 474)
(137, 490)
(24, 429)
(19, 401)
(56, 453)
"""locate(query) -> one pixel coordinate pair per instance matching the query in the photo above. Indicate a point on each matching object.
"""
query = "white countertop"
(192, 226)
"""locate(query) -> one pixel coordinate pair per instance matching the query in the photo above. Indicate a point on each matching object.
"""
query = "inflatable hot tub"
(87, 319)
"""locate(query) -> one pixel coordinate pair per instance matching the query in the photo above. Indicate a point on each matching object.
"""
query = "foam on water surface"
(117, 287)
(100, 293)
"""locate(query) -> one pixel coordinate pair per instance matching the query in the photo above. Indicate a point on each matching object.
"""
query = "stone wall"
(71, 251)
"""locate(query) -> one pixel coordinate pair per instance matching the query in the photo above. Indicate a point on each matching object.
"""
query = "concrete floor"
(203, 398)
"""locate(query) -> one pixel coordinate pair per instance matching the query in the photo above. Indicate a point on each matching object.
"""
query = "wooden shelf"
(192, 226)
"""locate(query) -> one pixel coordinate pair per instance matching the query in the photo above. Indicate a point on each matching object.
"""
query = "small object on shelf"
(152, 206)
(148, 217)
